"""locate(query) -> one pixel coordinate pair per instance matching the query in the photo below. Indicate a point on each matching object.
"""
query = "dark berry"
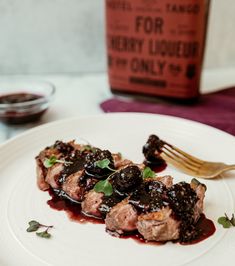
(127, 179)
(92, 169)
(63, 147)
(149, 197)
(152, 146)
(182, 199)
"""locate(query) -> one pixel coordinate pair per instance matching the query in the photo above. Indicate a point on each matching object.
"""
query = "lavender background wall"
(67, 36)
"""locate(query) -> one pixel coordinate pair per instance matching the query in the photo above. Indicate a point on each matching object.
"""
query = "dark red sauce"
(205, 226)
(73, 210)
(136, 236)
(18, 98)
(158, 165)
(20, 117)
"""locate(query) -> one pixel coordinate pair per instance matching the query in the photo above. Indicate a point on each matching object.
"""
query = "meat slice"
(167, 180)
(168, 213)
(41, 174)
(53, 175)
(122, 218)
(72, 188)
(200, 190)
(42, 171)
(91, 204)
(158, 226)
(47, 153)
(119, 162)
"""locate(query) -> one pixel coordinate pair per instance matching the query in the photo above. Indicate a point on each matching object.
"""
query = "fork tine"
(190, 157)
(180, 163)
(183, 158)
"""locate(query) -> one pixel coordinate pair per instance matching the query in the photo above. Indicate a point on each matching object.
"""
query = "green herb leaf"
(224, 222)
(33, 226)
(104, 186)
(53, 160)
(104, 164)
(44, 234)
(50, 162)
(148, 173)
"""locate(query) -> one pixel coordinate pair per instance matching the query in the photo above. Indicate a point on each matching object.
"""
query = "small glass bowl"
(24, 101)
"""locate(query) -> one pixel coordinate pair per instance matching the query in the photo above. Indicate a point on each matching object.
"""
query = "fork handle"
(231, 167)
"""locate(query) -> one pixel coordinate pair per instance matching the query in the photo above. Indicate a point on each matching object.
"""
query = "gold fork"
(192, 165)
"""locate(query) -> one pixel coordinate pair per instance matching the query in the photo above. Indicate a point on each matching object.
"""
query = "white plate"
(78, 244)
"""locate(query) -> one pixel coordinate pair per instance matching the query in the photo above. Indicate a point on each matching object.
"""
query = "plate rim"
(61, 121)
(84, 117)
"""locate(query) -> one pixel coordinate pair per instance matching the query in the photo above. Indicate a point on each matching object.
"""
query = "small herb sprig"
(49, 162)
(226, 222)
(104, 185)
(148, 173)
(104, 164)
(34, 226)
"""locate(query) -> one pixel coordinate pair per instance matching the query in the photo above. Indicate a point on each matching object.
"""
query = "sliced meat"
(71, 186)
(45, 177)
(41, 174)
(158, 226)
(122, 163)
(157, 208)
(91, 204)
(53, 175)
(167, 180)
(123, 182)
(47, 153)
(200, 190)
(119, 162)
(122, 218)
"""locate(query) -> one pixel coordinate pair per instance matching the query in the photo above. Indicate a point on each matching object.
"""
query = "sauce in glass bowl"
(19, 98)
(24, 106)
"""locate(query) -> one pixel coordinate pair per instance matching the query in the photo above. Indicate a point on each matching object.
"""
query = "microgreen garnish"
(34, 226)
(104, 164)
(44, 234)
(226, 222)
(104, 186)
(49, 162)
(148, 173)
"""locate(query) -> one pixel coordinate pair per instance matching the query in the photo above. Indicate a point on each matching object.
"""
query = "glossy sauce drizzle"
(205, 226)
(72, 209)
(157, 165)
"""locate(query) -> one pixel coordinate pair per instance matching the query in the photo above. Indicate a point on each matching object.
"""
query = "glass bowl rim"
(43, 99)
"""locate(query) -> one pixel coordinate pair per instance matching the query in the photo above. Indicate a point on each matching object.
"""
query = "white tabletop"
(82, 94)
